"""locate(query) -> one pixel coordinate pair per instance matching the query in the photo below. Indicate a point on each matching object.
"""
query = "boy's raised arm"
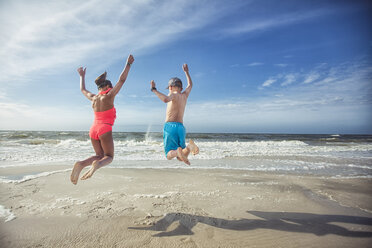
(189, 81)
(161, 96)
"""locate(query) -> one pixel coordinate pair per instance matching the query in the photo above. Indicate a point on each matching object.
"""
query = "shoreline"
(187, 208)
(17, 173)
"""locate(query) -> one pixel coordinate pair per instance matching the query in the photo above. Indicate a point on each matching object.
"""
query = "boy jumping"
(174, 132)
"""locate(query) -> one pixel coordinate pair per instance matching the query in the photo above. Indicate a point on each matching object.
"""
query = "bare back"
(102, 102)
(176, 107)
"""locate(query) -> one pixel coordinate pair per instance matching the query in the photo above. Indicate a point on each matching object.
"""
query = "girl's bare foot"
(193, 147)
(91, 171)
(181, 156)
(76, 172)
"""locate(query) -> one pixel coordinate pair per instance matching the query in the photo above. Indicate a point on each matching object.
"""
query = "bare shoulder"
(174, 96)
(185, 94)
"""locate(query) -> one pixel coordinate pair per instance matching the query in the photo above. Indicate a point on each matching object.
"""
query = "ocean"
(322, 155)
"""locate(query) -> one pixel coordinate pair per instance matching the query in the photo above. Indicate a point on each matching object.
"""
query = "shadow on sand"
(289, 222)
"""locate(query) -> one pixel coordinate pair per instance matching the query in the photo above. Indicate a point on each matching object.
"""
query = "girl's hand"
(81, 71)
(130, 59)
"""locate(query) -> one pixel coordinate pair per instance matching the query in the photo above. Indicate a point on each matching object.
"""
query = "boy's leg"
(178, 154)
(171, 154)
(183, 151)
(107, 144)
(191, 147)
(181, 156)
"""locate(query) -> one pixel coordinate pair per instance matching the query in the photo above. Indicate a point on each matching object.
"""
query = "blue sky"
(257, 66)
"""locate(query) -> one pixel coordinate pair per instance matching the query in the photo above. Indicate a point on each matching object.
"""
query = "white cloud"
(289, 79)
(254, 25)
(281, 65)
(339, 102)
(343, 103)
(282, 115)
(41, 37)
(18, 116)
(268, 82)
(311, 77)
(255, 64)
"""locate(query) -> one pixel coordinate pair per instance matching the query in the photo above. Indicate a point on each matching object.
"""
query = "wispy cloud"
(41, 38)
(298, 105)
(348, 81)
(246, 65)
(268, 82)
(289, 79)
(263, 24)
(311, 77)
(281, 65)
(255, 64)
(344, 88)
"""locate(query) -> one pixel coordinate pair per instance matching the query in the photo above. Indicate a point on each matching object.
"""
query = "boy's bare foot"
(76, 172)
(193, 147)
(181, 156)
(90, 172)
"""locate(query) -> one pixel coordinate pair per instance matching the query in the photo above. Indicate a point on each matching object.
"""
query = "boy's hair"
(175, 82)
(102, 82)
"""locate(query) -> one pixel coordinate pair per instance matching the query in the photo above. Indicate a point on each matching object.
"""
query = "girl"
(104, 116)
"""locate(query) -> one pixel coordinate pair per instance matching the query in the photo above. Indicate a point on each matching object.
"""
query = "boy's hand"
(81, 71)
(185, 68)
(152, 84)
(130, 59)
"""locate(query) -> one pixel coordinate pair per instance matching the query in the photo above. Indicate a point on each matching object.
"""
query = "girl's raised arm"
(85, 92)
(123, 76)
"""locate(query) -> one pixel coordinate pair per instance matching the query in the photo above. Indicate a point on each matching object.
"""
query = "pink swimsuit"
(103, 121)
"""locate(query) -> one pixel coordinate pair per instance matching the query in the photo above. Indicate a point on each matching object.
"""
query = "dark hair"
(102, 82)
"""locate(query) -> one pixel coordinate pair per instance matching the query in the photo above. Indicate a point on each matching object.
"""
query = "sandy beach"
(185, 208)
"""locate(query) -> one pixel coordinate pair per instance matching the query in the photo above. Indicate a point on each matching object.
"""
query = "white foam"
(31, 177)
(6, 213)
(71, 150)
(160, 196)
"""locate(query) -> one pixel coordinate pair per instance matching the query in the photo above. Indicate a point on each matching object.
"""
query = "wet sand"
(186, 208)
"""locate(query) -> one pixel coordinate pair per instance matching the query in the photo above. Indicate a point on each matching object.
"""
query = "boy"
(174, 132)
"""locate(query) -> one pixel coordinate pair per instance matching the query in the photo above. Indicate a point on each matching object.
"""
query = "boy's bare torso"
(176, 108)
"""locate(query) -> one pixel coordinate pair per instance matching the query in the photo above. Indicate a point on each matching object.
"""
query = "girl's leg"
(81, 164)
(107, 145)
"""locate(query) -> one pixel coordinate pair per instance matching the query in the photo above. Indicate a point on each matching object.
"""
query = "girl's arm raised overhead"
(123, 76)
(85, 92)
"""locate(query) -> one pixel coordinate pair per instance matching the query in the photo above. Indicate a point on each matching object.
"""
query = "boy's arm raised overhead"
(161, 96)
(189, 81)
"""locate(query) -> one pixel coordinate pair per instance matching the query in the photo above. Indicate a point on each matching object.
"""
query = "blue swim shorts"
(174, 134)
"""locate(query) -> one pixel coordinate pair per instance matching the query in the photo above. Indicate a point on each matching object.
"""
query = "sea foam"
(6, 214)
(31, 177)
